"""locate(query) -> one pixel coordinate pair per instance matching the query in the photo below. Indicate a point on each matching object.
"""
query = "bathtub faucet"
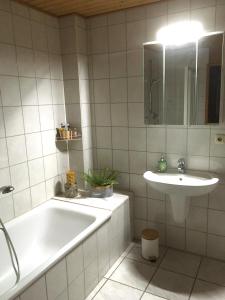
(6, 189)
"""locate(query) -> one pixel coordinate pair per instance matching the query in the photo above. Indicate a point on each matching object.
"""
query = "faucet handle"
(181, 161)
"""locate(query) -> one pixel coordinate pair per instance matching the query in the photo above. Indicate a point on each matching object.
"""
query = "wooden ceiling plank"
(82, 7)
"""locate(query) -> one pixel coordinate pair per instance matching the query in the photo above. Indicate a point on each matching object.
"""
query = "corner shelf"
(78, 138)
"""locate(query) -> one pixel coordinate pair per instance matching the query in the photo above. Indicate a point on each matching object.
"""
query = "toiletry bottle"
(162, 164)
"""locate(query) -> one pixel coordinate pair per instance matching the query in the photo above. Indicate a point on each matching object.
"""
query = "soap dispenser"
(162, 164)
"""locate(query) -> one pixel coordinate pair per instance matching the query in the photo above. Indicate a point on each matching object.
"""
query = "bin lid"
(150, 234)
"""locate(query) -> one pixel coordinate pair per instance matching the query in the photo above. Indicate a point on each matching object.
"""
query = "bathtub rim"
(103, 216)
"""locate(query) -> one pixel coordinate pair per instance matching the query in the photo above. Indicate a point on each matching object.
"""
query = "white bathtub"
(42, 237)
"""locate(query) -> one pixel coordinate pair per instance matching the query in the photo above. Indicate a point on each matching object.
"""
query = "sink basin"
(192, 183)
(180, 187)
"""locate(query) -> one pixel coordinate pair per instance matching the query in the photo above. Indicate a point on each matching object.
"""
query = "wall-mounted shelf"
(78, 138)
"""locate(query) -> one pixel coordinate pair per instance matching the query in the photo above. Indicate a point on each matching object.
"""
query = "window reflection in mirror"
(153, 83)
(206, 109)
(180, 72)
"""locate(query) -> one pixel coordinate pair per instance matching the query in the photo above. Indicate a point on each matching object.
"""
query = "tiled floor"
(175, 276)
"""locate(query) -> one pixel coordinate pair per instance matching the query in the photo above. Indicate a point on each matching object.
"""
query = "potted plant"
(101, 182)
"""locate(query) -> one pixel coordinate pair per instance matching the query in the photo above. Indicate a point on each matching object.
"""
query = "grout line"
(196, 277)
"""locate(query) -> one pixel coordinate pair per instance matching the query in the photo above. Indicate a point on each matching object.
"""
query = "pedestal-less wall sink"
(182, 186)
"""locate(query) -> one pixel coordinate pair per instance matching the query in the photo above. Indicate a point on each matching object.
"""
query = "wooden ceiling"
(85, 8)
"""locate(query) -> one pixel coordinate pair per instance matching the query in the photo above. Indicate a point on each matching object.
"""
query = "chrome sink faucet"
(181, 166)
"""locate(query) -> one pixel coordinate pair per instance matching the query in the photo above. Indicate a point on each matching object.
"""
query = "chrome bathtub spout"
(12, 251)
(6, 189)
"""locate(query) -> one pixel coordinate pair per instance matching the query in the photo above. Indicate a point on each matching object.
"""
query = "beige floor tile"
(133, 273)
(181, 262)
(170, 285)
(213, 271)
(148, 296)
(116, 291)
(207, 291)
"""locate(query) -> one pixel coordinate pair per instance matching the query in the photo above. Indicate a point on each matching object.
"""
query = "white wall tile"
(156, 9)
(22, 30)
(101, 91)
(137, 139)
(197, 219)
(36, 171)
(25, 58)
(118, 90)
(38, 194)
(10, 91)
(218, 251)
(2, 126)
(3, 154)
(100, 66)
(39, 36)
(156, 138)
(136, 34)
(198, 142)
(99, 40)
(216, 221)
(48, 142)
(42, 68)
(56, 280)
(120, 160)
(120, 138)
(119, 114)
(118, 67)
(31, 119)
(136, 115)
(6, 35)
(36, 292)
(102, 115)
(176, 141)
(28, 91)
(90, 250)
(8, 64)
(20, 182)
(196, 242)
(70, 67)
(44, 91)
(46, 117)
(16, 149)
(50, 165)
(116, 17)
(135, 89)
(13, 121)
(117, 37)
(206, 16)
(75, 263)
(6, 208)
(34, 145)
(178, 5)
(103, 137)
(22, 202)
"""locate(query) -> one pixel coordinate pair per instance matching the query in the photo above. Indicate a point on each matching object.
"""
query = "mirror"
(206, 110)
(182, 84)
(153, 84)
(179, 82)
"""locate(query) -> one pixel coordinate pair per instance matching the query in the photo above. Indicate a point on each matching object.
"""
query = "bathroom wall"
(31, 107)
(76, 82)
(124, 142)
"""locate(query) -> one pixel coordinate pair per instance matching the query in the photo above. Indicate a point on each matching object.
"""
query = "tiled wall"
(75, 276)
(76, 82)
(124, 142)
(31, 107)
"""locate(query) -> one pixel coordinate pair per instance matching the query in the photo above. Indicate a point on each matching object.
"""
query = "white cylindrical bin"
(150, 244)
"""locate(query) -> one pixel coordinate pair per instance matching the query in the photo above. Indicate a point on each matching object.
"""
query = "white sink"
(182, 186)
